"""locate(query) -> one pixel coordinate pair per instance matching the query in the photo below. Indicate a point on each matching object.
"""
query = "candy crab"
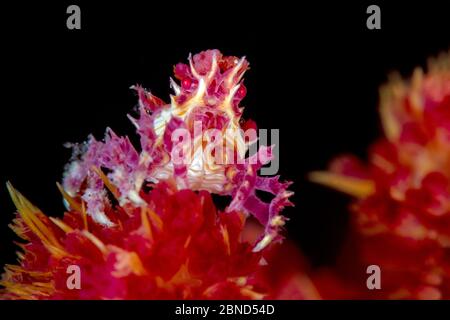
(208, 98)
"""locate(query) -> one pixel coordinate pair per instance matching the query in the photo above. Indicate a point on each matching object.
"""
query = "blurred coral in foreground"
(142, 226)
(401, 215)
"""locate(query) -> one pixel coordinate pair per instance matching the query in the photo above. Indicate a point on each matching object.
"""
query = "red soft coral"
(176, 246)
(401, 217)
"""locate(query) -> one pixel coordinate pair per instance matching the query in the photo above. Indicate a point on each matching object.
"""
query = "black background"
(315, 74)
